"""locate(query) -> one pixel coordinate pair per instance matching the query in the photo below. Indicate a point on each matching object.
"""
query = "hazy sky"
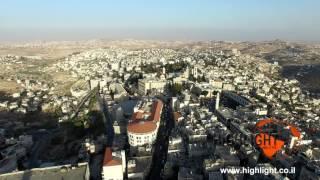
(295, 20)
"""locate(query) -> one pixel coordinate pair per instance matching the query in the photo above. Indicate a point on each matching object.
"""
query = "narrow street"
(96, 159)
(106, 119)
(160, 148)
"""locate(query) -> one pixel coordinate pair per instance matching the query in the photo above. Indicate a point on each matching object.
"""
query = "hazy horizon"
(231, 20)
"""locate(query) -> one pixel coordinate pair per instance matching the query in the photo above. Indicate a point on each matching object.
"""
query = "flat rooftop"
(81, 172)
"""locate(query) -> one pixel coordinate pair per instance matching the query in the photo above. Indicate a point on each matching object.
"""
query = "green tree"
(205, 93)
(176, 88)
(192, 78)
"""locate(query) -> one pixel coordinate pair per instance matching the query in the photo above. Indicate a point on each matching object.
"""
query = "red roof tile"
(156, 111)
(141, 127)
(137, 116)
(176, 115)
(109, 160)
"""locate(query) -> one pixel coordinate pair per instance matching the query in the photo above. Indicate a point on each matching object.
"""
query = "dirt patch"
(64, 82)
(9, 86)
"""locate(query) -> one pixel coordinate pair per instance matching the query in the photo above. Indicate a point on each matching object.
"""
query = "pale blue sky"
(295, 20)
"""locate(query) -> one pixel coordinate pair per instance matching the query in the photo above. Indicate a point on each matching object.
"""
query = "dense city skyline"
(155, 90)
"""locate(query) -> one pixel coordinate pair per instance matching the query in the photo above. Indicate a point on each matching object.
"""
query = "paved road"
(106, 119)
(160, 149)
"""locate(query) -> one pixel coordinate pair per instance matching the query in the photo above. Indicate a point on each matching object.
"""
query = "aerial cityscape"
(159, 106)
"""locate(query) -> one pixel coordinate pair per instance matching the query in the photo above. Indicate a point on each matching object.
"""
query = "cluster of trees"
(91, 123)
(73, 129)
(197, 79)
(133, 79)
(177, 67)
(175, 89)
(96, 126)
(210, 62)
(197, 91)
(150, 68)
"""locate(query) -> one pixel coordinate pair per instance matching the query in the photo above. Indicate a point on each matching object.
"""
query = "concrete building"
(151, 84)
(139, 167)
(114, 165)
(119, 93)
(143, 126)
(79, 171)
(141, 133)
